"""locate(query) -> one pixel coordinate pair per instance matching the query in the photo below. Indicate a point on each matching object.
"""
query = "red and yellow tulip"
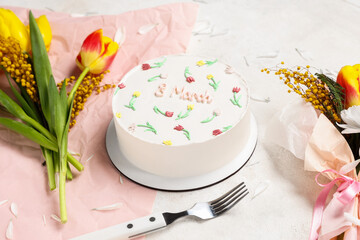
(11, 26)
(349, 79)
(97, 52)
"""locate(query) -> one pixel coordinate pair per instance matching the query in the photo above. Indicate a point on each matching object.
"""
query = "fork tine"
(231, 203)
(227, 197)
(215, 201)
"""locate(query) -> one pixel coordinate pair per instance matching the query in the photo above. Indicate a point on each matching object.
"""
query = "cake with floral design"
(181, 116)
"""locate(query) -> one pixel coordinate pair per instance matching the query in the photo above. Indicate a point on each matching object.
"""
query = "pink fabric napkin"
(23, 179)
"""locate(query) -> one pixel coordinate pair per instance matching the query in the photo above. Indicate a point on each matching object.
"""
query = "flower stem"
(77, 84)
(63, 212)
(73, 161)
(50, 167)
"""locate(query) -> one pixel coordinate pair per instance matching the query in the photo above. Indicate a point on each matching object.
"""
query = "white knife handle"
(128, 230)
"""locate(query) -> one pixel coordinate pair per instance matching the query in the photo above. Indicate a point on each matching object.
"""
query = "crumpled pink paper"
(23, 180)
(328, 149)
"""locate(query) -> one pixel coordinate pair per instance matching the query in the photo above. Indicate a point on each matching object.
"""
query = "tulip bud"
(97, 52)
(349, 79)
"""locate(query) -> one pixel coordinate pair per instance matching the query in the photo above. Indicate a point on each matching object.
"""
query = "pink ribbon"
(347, 190)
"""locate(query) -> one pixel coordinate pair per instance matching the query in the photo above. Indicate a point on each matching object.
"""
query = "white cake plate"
(177, 184)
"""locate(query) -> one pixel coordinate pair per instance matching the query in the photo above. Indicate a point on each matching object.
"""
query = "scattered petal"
(246, 61)
(260, 99)
(90, 158)
(260, 188)
(273, 54)
(74, 153)
(120, 35)
(121, 180)
(201, 27)
(215, 33)
(9, 230)
(14, 209)
(75, 15)
(348, 167)
(3, 202)
(56, 218)
(44, 220)
(109, 207)
(353, 2)
(304, 54)
(352, 219)
(147, 28)
(200, 1)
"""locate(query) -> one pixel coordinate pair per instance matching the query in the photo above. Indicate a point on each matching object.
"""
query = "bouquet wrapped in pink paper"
(329, 143)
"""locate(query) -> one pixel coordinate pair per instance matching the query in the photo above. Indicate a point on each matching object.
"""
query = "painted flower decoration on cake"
(135, 95)
(218, 131)
(147, 66)
(118, 115)
(161, 76)
(216, 113)
(97, 53)
(132, 127)
(229, 70)
(166, 113)
(190, 107)
(235, 100)
(181, 128)
(349, 79)
(148, 127)
(121, 85)
(213, 83)
(167, 142)
(188, 76)
(208, 63)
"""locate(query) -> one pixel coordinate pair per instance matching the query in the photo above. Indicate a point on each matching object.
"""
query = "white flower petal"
(273, 54)
(260, 188)
(10, 230)
(201, 27)
(351, 130)
(304, 54)
(14, 209)
(3, 202)
(121, 180)
(55, 217)
(260, 99)
(120, 36)
(348, 167)
(351, 116)
(147, 28)
(109, 207)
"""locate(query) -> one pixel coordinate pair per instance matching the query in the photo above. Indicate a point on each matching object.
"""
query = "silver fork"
(153, 222)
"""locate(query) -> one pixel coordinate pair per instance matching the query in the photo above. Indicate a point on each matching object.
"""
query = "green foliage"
(336, 91)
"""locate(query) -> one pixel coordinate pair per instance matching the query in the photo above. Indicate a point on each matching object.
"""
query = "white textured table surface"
(327, 30)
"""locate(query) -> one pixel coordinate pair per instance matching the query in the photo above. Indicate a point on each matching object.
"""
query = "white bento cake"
(181, 116)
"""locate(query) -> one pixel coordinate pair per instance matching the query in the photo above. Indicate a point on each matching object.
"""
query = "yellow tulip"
(45, 30)
(11, 26)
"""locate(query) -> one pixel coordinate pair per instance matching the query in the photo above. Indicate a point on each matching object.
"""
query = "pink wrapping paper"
(22, 178)
(328, 150)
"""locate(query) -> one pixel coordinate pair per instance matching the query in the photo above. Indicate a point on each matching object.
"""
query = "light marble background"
(328, 33)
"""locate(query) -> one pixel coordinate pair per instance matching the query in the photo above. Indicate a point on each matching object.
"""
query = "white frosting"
(194, 150)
